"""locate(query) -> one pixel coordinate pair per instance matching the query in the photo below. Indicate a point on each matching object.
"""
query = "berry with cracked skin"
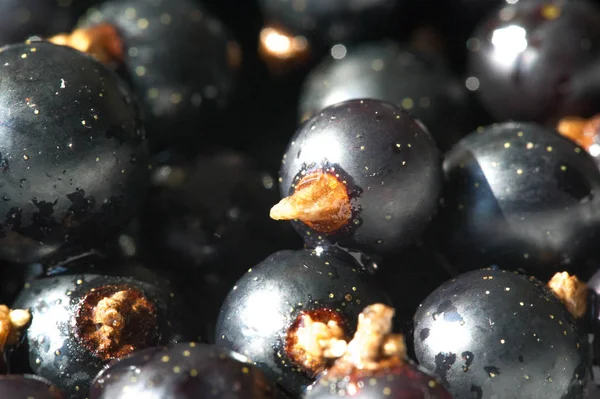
(536, 60)
(363, 175)
(186, 370)
(293, 313)
(518, 195)
(495, 333)
(417, 82)
(179, 59)
(88, 315)
(73, 157)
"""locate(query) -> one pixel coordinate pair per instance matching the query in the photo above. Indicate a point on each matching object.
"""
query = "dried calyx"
(113, 321)
(315, 339)
(12, 323)
(319, 343)
(100, 41)
(584, 132)
(320, 201)
(571, 291)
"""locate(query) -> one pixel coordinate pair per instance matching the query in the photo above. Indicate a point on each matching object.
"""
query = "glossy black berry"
(495, 333)
(272, 308)
(362, 174)
(419, 83)
(184, 370)
(180, 60)
(328, 21)
(84, 318)
(72, 153)
(519, 196)
(209, 218)
(16, 386)
(536, 60)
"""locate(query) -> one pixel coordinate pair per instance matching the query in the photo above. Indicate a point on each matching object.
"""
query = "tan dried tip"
(571, 291)
(100, 41)
(114, 321)
(315, 338)
(374, 346)
(579, 130)
(320, 201)
(12, 323)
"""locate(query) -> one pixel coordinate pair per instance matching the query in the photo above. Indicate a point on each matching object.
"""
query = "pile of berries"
(300, 199)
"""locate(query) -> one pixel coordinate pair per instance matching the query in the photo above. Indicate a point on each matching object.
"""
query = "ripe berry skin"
(266, 301)
(184, 371)
(388, 162)
(16, 386)
(180, 60)
(494, 333)
(519, 195)
(53, 348)
(73, 157)
(417, 82)
(536, 60)
(405, 382)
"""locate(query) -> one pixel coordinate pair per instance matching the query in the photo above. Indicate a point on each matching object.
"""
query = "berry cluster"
(429, 232)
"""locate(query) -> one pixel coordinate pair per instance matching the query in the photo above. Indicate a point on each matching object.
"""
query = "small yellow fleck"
(130, 13)
(519, 171)
(529, 146)
(521, 303)
(83, 122)
(26, 157)
(175, 98)
(165, 19)
(331, 295)
(549, 148)
(193, 372)
(506, 145)
(550, 11)
(140, 70)
(23, 55)
(33, 49)
(176, 369)
(432, 384)
(362, 147)
(408, 103)
(192, 344)
(152, 93)
(563, 168)
(520, 134)
(79, 281)
(165, 359)
(97, 159)
(245, 370)
(142, 23)
(387, 391)
(552, 316)
(58, 352)
(507, 289)
(502, 341)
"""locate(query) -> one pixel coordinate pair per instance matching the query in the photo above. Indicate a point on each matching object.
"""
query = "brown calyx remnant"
(582, 131)
(571, 291)
(320, 201)
(315, 339)
(282, 51)
(12, 323)
(113, 321)
(100, 41)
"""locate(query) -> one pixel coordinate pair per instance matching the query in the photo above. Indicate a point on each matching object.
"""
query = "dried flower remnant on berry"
(571, 291)
(101, 41)
(320, 200)
(114, 321)
(315, 339)
(584, 132)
